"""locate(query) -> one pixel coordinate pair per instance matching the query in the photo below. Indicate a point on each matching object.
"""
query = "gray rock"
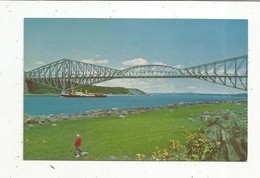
(126, 157)
(231, 131)
(28, 119)
(113, 158)
(26, 116)
(31, 122)
(41, 119)
(52, 119)
(195, 120)
(124, 111)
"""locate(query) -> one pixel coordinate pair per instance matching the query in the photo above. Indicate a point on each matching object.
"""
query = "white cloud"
(97, 55)
(146, 85)
(39, 62)
(158, 63)
(137, 61)
(141, 61)
(92, 61)
(179, 66)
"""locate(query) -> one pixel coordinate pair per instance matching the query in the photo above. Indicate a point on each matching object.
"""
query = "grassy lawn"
(112, 136)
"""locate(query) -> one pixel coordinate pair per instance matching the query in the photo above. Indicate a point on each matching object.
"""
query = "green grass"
(107, 136)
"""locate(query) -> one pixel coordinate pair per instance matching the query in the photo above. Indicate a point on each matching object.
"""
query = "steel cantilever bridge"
(66, 74)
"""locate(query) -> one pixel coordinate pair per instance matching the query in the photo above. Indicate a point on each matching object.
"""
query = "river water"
(45, 105)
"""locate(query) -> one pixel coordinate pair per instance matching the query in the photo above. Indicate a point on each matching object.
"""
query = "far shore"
(33, 94)
(146, 94)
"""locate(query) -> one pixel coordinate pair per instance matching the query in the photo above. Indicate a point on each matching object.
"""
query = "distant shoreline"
(33, 94)
(147, 94)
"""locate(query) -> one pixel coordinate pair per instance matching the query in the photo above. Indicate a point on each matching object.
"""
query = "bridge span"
(66, 74)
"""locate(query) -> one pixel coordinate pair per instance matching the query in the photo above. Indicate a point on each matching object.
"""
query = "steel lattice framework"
(150, 71)
(231, 72)
(66, 74)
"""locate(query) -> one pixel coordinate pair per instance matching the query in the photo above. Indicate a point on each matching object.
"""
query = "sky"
(121, 43)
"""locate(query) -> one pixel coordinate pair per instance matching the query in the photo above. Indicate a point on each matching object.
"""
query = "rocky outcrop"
(230, 129)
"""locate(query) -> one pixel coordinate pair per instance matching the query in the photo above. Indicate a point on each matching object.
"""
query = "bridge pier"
(63, 92)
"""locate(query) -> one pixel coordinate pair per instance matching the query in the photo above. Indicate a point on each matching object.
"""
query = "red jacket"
(77, 142)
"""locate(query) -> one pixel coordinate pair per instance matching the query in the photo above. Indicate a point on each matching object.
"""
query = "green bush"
(198, 148)
(176, 151)
(140, 157)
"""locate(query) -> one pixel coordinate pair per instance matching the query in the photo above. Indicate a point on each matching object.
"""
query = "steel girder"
(66, 74)
(231, 72)
(150, 71)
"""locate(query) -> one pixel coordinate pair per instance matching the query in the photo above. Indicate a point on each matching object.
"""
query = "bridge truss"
(66, 74)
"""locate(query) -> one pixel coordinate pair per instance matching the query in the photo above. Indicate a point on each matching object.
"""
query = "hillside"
(36, 88)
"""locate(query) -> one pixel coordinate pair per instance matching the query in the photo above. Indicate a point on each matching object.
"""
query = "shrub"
(140, 157)
(176, 152)
(198, 148)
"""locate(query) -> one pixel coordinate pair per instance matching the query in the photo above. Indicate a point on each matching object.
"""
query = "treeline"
(37, 88)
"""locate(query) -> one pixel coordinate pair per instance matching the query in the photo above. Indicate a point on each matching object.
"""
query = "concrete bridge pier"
(63, 92)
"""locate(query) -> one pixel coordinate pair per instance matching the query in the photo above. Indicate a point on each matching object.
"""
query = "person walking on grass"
(77, 146)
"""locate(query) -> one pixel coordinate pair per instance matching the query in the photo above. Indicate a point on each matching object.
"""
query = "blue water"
(45, 105)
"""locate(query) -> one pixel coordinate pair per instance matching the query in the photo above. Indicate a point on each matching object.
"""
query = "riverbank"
(119, 134)
(114, 112)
